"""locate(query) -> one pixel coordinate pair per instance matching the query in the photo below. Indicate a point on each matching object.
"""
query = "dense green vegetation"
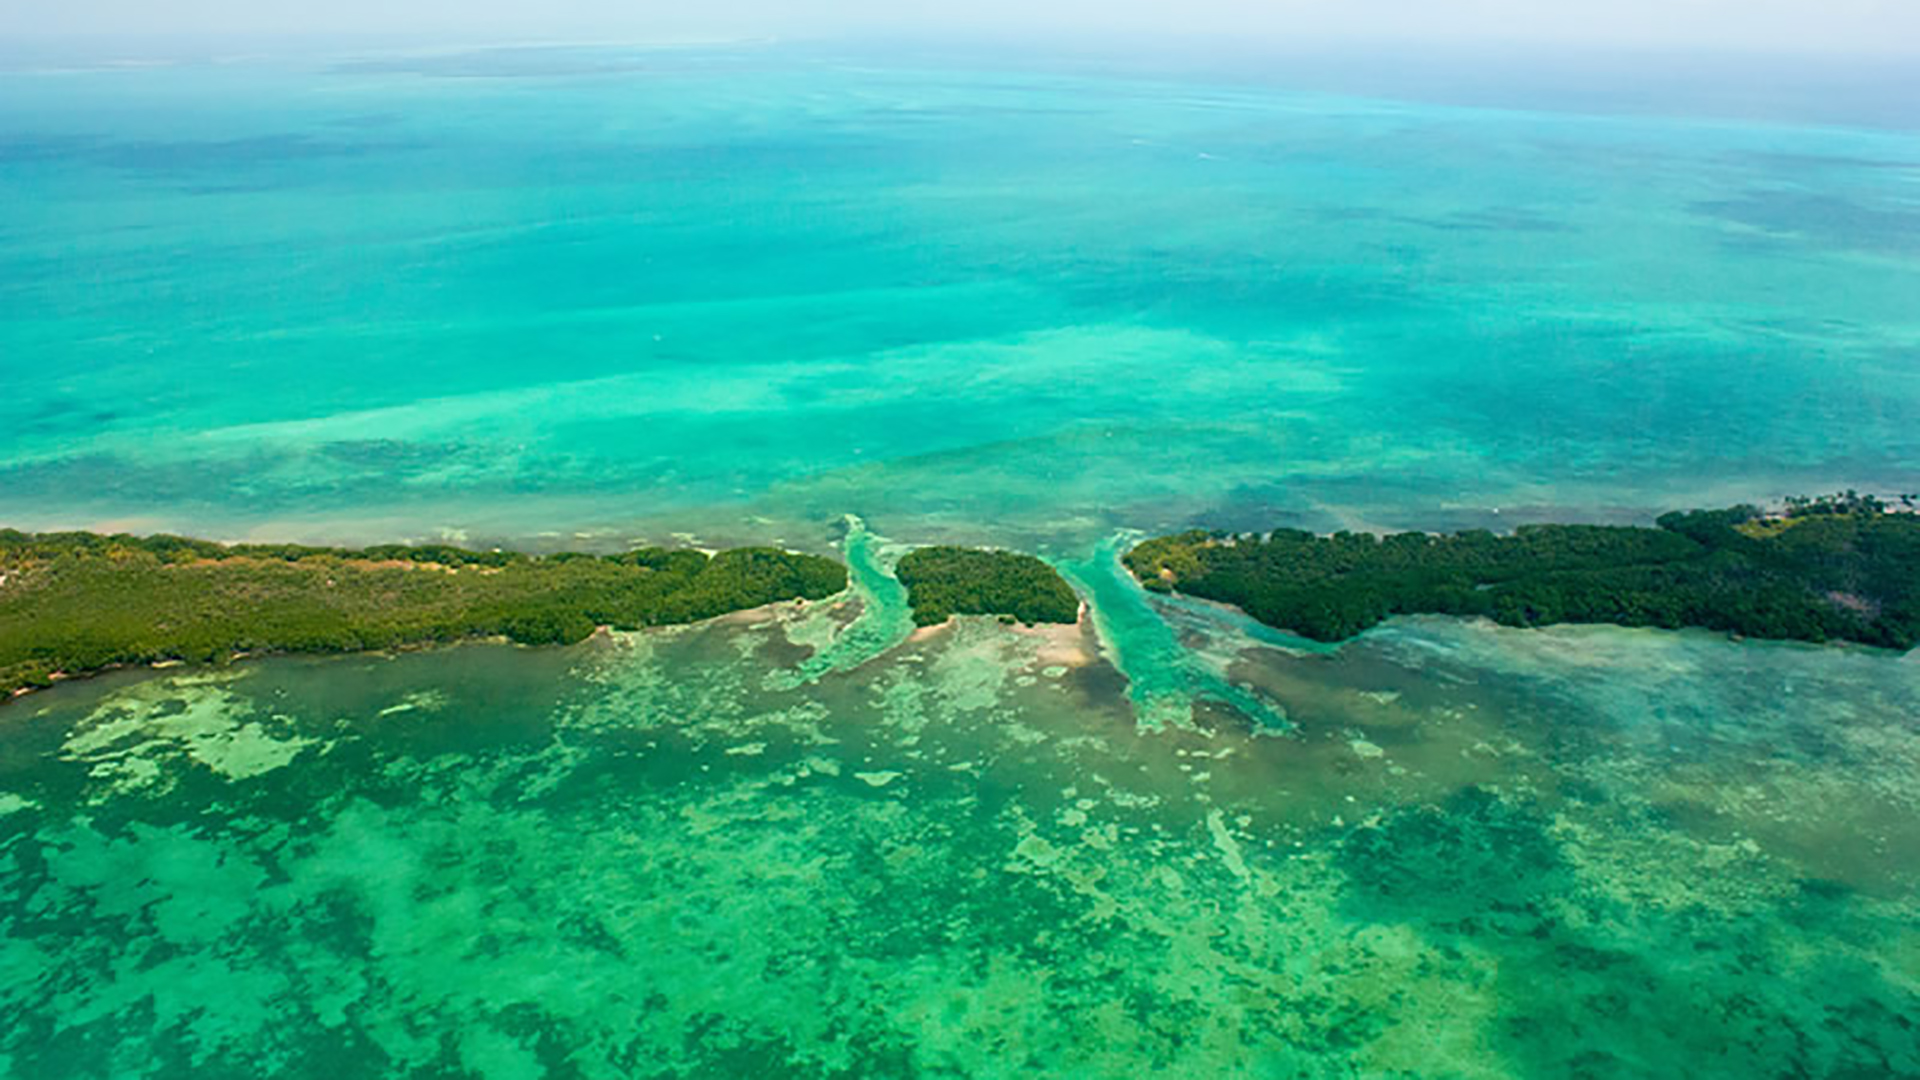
(78, 602)
(946, 581)
(1823, 574)
(1847, 502)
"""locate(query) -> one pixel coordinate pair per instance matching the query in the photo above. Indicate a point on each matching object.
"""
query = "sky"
(1877, 27)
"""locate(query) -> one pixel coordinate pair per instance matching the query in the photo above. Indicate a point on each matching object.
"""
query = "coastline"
(82, 603)
(1071, 645)
(985, 583)
(1843, 567)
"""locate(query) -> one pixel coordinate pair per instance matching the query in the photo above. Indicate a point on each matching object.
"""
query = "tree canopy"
(946, 581)
(1840, 570)
(78, 602)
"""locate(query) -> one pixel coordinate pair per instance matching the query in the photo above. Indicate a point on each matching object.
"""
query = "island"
(75, 603)
(946, 581)
(1837, 568)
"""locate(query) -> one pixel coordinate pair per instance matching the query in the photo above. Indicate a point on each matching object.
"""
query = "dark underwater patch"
(1823, 221)
(1474, 858)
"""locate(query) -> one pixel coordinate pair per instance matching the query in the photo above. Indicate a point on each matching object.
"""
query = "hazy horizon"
(1839, 27)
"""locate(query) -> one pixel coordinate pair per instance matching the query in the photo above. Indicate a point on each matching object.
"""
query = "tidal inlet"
(1037, 542)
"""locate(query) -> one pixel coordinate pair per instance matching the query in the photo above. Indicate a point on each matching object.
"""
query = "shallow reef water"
(1471, 852)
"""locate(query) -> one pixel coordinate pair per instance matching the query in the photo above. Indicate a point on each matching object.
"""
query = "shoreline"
(310, 576)
(81, 603)
(1065, 644)
(528, 524)
(1835, 568)
(1059, 643)
(59, 679)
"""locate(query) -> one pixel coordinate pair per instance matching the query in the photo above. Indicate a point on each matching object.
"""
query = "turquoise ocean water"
(855, 300)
